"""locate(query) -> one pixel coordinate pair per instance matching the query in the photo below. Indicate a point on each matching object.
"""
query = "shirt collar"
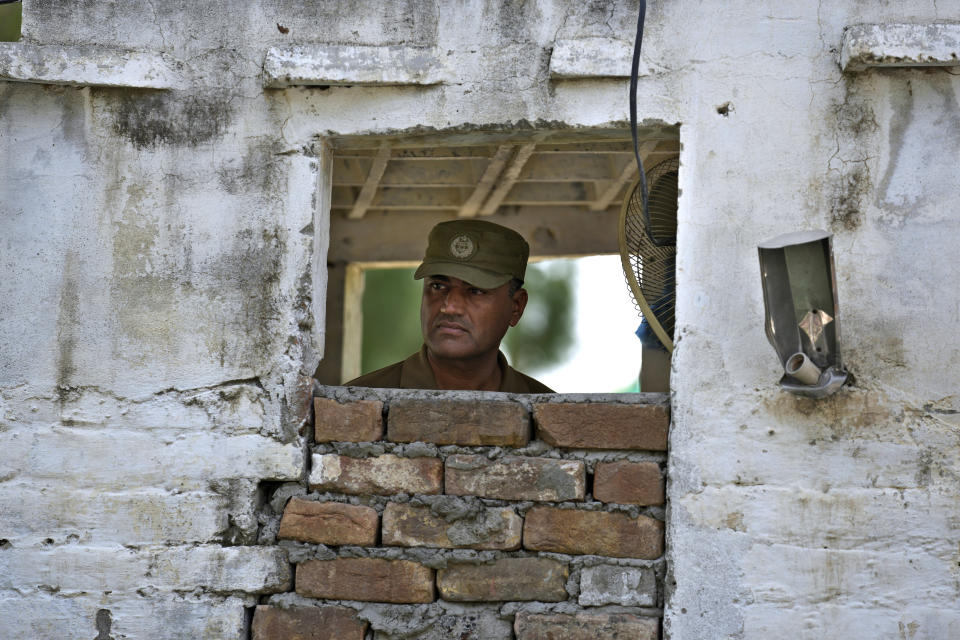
(416, 373)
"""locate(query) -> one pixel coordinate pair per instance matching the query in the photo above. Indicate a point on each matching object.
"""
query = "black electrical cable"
(634, 70)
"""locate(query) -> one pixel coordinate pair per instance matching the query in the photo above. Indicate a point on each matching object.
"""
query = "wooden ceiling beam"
(627, 176)
(487, 180)
(403, 172)
(369, 189)
(550, 193)
(509, 177)
(401, 237)
(573, 167)
(403, 198)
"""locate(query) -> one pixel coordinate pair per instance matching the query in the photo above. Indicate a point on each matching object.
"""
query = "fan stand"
(654, 369)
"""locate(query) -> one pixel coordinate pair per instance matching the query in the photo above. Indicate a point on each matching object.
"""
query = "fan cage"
(648, 248)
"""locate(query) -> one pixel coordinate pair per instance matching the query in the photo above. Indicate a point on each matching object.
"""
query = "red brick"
(416, 526)
(592, 532)
(307, 623)
(382, 475)
(329, 523)
(585, 626)
(602, 426)
(463, 422)
(366, 580)
(513, 579)
(515, 478)
(628, 482)
(358, 421)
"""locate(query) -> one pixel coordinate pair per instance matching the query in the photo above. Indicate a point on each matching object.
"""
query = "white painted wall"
(793, 517)
(162, 259)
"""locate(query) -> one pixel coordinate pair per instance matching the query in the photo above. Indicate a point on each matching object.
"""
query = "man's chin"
(447, 349)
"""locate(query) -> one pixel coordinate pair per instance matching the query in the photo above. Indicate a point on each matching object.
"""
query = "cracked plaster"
(125, 242)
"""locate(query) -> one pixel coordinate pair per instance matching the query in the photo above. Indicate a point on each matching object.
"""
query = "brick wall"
(473, 516)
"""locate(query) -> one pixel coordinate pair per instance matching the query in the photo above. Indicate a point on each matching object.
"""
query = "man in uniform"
(472, 293)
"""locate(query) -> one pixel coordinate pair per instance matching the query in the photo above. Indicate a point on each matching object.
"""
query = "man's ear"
(519, 304)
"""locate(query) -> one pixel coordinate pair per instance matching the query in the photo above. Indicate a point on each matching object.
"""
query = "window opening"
(561, 189)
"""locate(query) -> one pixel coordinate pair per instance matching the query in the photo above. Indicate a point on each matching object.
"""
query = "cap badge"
(463, 247)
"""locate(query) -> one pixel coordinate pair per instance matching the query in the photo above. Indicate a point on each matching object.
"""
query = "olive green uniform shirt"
(415, 373)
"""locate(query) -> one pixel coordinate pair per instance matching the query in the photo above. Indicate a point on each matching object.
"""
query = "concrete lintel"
(593, 58)
(323, 64)
(868, 46)
(86, 66)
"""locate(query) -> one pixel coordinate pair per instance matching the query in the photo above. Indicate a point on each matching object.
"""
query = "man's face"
(461, 321)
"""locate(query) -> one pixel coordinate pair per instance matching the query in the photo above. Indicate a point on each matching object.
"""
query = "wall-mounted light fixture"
(802, 312)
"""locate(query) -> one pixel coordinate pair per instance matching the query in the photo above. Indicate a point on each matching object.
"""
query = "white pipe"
(802, 368)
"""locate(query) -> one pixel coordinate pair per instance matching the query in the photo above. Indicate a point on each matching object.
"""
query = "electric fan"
(648, 248)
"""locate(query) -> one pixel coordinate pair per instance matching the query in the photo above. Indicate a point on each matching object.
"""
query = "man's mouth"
(452, 328)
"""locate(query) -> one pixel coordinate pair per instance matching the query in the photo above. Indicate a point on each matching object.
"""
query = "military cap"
(485, 254)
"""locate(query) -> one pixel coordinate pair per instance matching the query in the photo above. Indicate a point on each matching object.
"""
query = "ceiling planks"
(369, 190)
(491, 172)
(487, 181)
(627, 175)
(508, 179)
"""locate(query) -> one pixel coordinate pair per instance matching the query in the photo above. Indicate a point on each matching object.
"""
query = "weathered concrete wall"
(156, 312)
(836, 517)
(162, 254)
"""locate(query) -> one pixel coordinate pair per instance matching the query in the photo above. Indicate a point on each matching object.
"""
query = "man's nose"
(452, 302)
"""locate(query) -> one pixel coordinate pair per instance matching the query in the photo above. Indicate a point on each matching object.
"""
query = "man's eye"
(477, 292)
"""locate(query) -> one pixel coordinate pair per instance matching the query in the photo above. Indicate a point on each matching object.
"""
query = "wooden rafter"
(548, 194)
(572, 167)
(572, 232)
(489, 178)
(369, 189)
(628, 175)
(508, 179)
